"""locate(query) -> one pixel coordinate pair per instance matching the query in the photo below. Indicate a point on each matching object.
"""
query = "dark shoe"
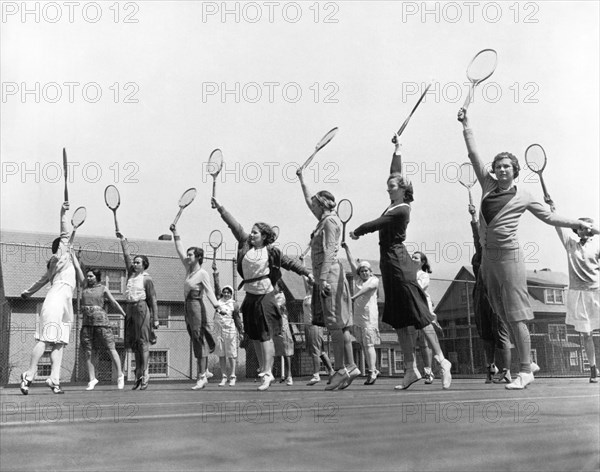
(55, 388)
(502, 377)
(25, 384)
(593, 376)
(338, 379)
(351, 376)
(144, 384)
(371, 377)
(137, 384)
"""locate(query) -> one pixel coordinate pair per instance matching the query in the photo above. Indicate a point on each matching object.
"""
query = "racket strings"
(483, 65)
(328, 137)
(79, 217)
(215, 162)
(535, 158)
(467, 175)
(187, 197)
(215, 239)
(111, 197)
(344, 210)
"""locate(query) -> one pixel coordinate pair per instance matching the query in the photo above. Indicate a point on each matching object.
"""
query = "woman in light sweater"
(502, 266)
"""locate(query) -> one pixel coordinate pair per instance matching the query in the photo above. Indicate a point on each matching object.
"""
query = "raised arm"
(236, 228)
(64, 232)
(77, 265)
(396, 165)
(551, 218)
(351, 261)
(216, 281)
(37, 285)
(474, 157)
(179, 246)
(308, 197)
(125, 249)
(108, 296)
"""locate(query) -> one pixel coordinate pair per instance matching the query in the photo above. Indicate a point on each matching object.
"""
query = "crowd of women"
(503, 304)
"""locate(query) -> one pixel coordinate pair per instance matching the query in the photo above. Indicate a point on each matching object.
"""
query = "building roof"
(24, 256)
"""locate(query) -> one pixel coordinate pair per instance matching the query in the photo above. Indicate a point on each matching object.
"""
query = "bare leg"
(223, 364)
(326, 361)
(259, 355)
(432, 339)
(36, 355)
(116, 361)
(268, 353)
(590, 350)
(56, 359)
(523, 344)
(232, 366)
(371, 358)
(405, 338)
(90, 366)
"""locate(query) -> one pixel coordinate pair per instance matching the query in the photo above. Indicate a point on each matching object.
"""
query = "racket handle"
(469, 97)
(66, 195)
(177, 217)
(546, 195)
(309, 160)
(72, 238)
(116, 222)
(214, 190)
(470, 198)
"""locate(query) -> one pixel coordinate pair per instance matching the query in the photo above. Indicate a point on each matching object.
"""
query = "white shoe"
(445, 367)
(315, 379)
(209, 374)
(267, 378)
(232, 380)
(91, 384)
(121, 382)
(223, 381)
(410, 377)
(289, 381)
(534, 368)
(520, 381)
(201, 383)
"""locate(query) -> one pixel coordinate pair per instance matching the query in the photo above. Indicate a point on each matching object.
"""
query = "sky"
(140, 93)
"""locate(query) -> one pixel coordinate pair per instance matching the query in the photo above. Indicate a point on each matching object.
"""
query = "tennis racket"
(215, 164)
(276, 230)
(400, 131)
(65, 169)
(113, 200)
(320, 145)
(344, 211)
(535, 157)
(215, 239)
(187, 198)
(481, 67)
(467, 178)
(77, 220)
(305, 252)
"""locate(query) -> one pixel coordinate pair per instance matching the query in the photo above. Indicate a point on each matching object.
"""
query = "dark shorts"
(254, 310)
(93, 337)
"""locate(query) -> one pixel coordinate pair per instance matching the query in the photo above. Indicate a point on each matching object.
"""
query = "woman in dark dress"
(406, 307)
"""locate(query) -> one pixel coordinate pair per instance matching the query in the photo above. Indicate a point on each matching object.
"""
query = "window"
(573, 358)
(557, 332)
(384, 360)
(554, 296)
(533, 354)
(398, 362)
(157, 363)
(44, 365)
(115, 280)
(163, 315)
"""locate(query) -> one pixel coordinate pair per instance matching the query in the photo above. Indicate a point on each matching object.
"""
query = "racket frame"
(320, 145)
(75, 226)
(114, 210)
(66, 173)
(217, 172)
(182, 205)
(215, 247)
(476, 82)
(347, 219)
(540, 171)
(470, 184)
(401, 130)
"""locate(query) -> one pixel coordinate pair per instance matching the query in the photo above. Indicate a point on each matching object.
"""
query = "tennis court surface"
(552, 425)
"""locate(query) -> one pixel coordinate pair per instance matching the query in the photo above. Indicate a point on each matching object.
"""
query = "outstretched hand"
(353, 236)
(472, 210)
(462, 117)
(172, 228)
(119, 234)
(214, 203)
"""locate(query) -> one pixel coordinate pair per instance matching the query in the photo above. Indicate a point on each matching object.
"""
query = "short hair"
(96, 273)
(425, 267)
(145, 261)
(325, 199)
(55, 245)
(404, 183)
(514, 161)
(198, 253)
(586, 219)
(266, 230)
